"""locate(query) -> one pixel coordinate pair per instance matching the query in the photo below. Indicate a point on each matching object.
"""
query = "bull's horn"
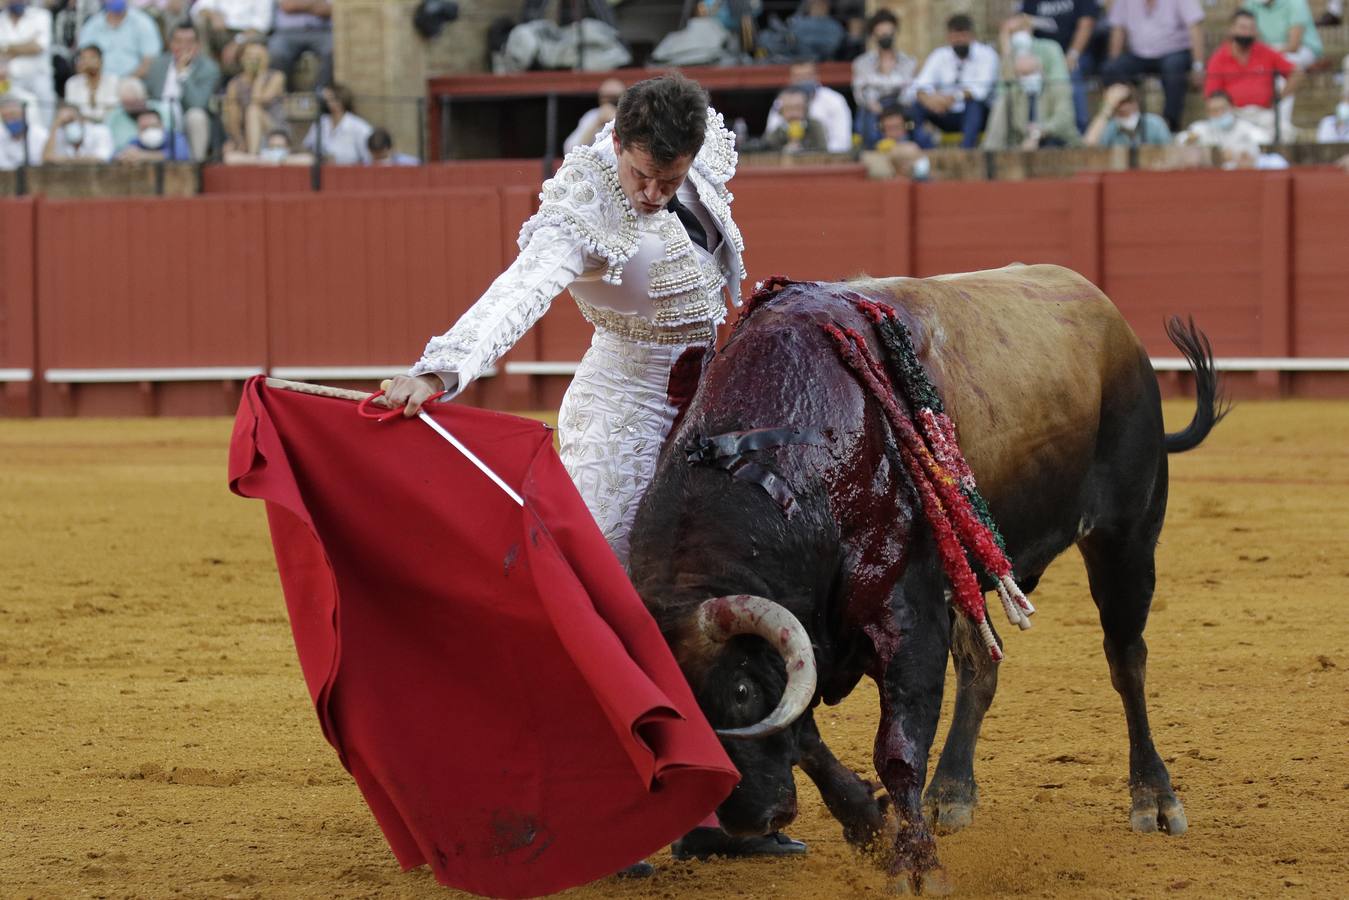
(722, 618)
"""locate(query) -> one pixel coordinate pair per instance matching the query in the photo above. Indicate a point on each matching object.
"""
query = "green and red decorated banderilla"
(952, 505)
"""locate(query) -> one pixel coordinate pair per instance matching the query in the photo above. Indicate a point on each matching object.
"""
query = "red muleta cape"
(487, 673)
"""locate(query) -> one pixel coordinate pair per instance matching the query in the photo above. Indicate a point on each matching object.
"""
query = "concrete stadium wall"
(178, 299)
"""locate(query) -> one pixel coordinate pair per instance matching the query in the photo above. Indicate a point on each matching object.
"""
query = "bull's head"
(740, 678)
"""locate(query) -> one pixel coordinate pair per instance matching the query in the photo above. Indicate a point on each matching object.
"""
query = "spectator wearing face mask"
(1238, 139)
(184, 80)
(75, 140)
(798, 133)
(1120, 122)
(1031, 111)
(129, 39)
(880, 77)
(152, 143)
(345, 135)
(276, 150)
(25, 50)
(21, 143)
(955, 84)
(253, 101)
(826, 106)
(1334, 128)
(90, 89)
(1158, 37)
(132, 100)
(611, 91)
(1070, 24)
(1247, 70)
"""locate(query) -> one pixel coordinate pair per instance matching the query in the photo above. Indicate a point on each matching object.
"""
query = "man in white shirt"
(90, 88)
(827, 106)
(611, 91)
(954, 85)
(21, 143)
(1334, 128)
(25, 48)
(1238, 139)
(74, 140)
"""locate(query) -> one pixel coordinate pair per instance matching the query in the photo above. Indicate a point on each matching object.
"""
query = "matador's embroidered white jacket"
(638, 276)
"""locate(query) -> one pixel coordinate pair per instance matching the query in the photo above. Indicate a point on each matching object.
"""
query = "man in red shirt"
(1245, 69)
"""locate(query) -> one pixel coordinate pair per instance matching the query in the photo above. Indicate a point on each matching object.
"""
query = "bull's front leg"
(911, 670)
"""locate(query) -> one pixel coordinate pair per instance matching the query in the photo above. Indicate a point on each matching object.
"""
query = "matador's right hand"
(410, 392)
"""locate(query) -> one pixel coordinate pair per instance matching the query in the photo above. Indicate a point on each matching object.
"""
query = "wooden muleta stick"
(318, 390)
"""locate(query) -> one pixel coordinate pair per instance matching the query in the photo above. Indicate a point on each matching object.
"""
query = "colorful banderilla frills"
(952, 505)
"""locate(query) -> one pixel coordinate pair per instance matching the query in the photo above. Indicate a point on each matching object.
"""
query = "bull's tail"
(1212, 403)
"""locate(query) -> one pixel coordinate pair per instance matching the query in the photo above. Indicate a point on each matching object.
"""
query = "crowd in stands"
(1030, 87)
(94, 81)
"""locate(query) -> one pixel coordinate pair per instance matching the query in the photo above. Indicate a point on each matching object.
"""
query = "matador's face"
(648, 185)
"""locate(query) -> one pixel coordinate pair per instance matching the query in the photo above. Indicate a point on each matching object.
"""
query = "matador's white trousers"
(614, 419)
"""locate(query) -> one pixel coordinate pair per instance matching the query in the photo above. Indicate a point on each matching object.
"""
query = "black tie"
(691, 224)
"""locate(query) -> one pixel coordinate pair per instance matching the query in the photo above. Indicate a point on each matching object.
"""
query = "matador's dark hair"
(665, 117)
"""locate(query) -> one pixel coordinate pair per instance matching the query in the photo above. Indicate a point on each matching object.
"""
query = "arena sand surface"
(158, 739)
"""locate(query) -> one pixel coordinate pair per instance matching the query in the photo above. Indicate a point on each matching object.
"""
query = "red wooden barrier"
(255, 180)
(18, 338)
(133, 284)
(220, 179)
(362, 278)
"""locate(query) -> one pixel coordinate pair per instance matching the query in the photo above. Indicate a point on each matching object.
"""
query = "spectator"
(1071, 26)
(303, 25)
(26, 53)
(827, 106)
(1245, 69)
(344, 136)
(1120, 123)
(153, 143)
(129, 39)
(184, 80)
(954, 85)
(132, 100)
(1031, 111)
(276, 151)
(1334, 128)
(798, 133)
(1238, 139)
(816, 35)
(20, 142)
(1157, 37)
(896, 153)
(75, 140)
(253, 107)
(93, 92)
(67, 17)
(880, 77)
(226, 24)
(1016, 38)
(1287, 26)
(611, 91)
(382, 152)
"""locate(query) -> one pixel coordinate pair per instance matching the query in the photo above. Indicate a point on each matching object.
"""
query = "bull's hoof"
(867, 827)
(948, 808)
(1157, 810)
(932, 883)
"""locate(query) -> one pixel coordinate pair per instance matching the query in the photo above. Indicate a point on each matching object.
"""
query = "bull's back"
(1023, 357)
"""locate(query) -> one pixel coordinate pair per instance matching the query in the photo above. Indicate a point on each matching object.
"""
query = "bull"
(782, 551)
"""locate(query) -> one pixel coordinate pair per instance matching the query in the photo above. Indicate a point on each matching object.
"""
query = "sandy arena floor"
(158, 739)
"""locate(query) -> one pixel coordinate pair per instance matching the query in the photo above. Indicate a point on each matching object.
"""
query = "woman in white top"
(344, 134)
(91, 90)
(880, 77)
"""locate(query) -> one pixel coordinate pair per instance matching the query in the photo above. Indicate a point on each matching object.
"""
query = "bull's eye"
(742, 693)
